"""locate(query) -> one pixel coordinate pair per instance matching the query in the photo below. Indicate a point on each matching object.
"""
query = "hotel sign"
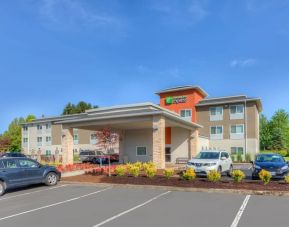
(175, 99)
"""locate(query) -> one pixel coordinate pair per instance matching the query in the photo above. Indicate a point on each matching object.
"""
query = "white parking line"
(54, 204)
(240, 212)
(130, 210)
(28, 193)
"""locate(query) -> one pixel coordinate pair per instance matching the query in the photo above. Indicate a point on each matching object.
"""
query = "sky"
(110, 52)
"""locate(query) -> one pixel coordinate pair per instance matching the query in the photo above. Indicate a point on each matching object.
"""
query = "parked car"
(12, 154)
(274, 163)
(98, 157)
(18, 172)
(207, 161)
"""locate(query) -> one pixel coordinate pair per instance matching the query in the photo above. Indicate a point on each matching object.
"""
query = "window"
(224, 155)
(237, 150)
(237, 132)
(75, 136)
(216, 113)
(24, 163)
(48, 152)
(10, 164)
(25, 128)
(48, 126)
(93, 138)
(237, 112)
(48, 140)
(39, 141)
(141, 151)
(25, 140)
(186, 114)
(216, 132)
(39, 127)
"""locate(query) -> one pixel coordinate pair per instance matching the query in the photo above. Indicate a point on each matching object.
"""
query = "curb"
(183, 189)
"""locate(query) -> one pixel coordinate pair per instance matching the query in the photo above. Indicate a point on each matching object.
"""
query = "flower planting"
(214, 176)
(168, 173)
(189, 174)
(238, 175)
(134, 170)
(150, 172)
(120, 170)
(265, 176)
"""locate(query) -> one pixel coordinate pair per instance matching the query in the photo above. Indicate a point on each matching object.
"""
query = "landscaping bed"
(176, 181)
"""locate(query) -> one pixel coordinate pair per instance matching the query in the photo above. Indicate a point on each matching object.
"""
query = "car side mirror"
(252, 162)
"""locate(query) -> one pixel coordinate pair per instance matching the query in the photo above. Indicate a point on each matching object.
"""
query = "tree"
(265, 133)
(4, 143)
(106, 138)
(80, 107)
(13, 133)
(280, 124)
(278, 142)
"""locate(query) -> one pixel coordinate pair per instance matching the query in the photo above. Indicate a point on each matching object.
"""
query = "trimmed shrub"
(120, 170)
(138, 164)
(168, 173)
(189, 174)
(214, 176)
(134, 170)
(239, 158)
(148, 165)
(248, 157)
(265, 176)
(150, 172)
(238, 175)
(286, 179)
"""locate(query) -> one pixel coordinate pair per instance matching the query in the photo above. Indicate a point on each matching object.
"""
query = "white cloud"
(243, 63)
(73, 13)
(187, 12)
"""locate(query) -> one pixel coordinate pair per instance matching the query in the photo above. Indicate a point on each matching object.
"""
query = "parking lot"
(93, 206)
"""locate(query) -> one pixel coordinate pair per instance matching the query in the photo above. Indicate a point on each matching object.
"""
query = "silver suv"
(209, 160)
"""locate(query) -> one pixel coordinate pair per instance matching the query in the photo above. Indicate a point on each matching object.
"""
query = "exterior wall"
(180, 143)
(204, 143)
(192, 98)
(134, 138)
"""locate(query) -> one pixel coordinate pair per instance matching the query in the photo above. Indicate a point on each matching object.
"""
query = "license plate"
(273, 173)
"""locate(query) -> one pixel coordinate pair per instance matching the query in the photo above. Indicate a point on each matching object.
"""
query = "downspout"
(246, 143)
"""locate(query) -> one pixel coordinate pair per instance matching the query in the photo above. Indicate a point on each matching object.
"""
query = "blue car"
(274, 163)
(19, 172)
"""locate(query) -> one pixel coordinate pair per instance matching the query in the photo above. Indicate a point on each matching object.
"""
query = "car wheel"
(51, 179)
(229, 173)
(2, 188)
(220, 170)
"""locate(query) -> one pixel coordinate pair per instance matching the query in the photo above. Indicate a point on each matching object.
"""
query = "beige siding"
(180, 143)
(56, 134)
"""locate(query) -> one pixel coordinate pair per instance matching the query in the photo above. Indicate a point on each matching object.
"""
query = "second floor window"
(25, 128)
(39, 141)
(216, 132)
(186, 114)
(48, 140)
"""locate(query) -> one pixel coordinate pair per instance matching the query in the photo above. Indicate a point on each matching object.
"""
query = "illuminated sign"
(175, 99)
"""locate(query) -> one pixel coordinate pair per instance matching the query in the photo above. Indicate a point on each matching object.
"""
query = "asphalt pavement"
(94, 206)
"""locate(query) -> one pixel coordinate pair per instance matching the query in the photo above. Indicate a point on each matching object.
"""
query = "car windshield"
(84, 153)
(208, 155)
(269, 158)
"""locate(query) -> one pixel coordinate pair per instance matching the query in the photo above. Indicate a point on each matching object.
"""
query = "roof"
(182, 88)
(123, 111)
(231, 99)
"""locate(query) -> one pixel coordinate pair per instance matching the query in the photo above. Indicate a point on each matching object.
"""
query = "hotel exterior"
(184, 122)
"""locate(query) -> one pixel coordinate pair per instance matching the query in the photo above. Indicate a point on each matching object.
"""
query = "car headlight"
(257, 167)
(190, 164)
(284, 168)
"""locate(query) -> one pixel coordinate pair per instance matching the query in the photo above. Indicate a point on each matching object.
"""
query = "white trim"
(141, 155)
(217, 117)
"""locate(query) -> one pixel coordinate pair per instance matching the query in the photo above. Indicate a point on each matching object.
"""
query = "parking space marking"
(131, 209)
(54, 204)
(240, 212)
(29, 193)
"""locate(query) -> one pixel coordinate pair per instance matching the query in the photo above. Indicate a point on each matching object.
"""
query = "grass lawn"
(286, 159)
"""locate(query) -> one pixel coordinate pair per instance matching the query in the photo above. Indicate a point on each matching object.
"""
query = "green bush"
(214, 176)
(248, 157)
(238, 175)
(120, 170)
(150, 172)
(233, 157)
(283, 153)
(265, 176)
(189, 174)
(147, 165)
(138, 164)
(168, 173)
(239, 158)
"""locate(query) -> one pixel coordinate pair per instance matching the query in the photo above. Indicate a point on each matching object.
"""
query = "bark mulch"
(178, 182)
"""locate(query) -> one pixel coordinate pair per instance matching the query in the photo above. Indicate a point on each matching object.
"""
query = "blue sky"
(117, 52)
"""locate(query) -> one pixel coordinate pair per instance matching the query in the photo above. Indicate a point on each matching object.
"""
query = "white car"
(207, 161)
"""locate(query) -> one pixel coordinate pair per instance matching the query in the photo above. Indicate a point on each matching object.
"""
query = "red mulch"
(178, 182)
